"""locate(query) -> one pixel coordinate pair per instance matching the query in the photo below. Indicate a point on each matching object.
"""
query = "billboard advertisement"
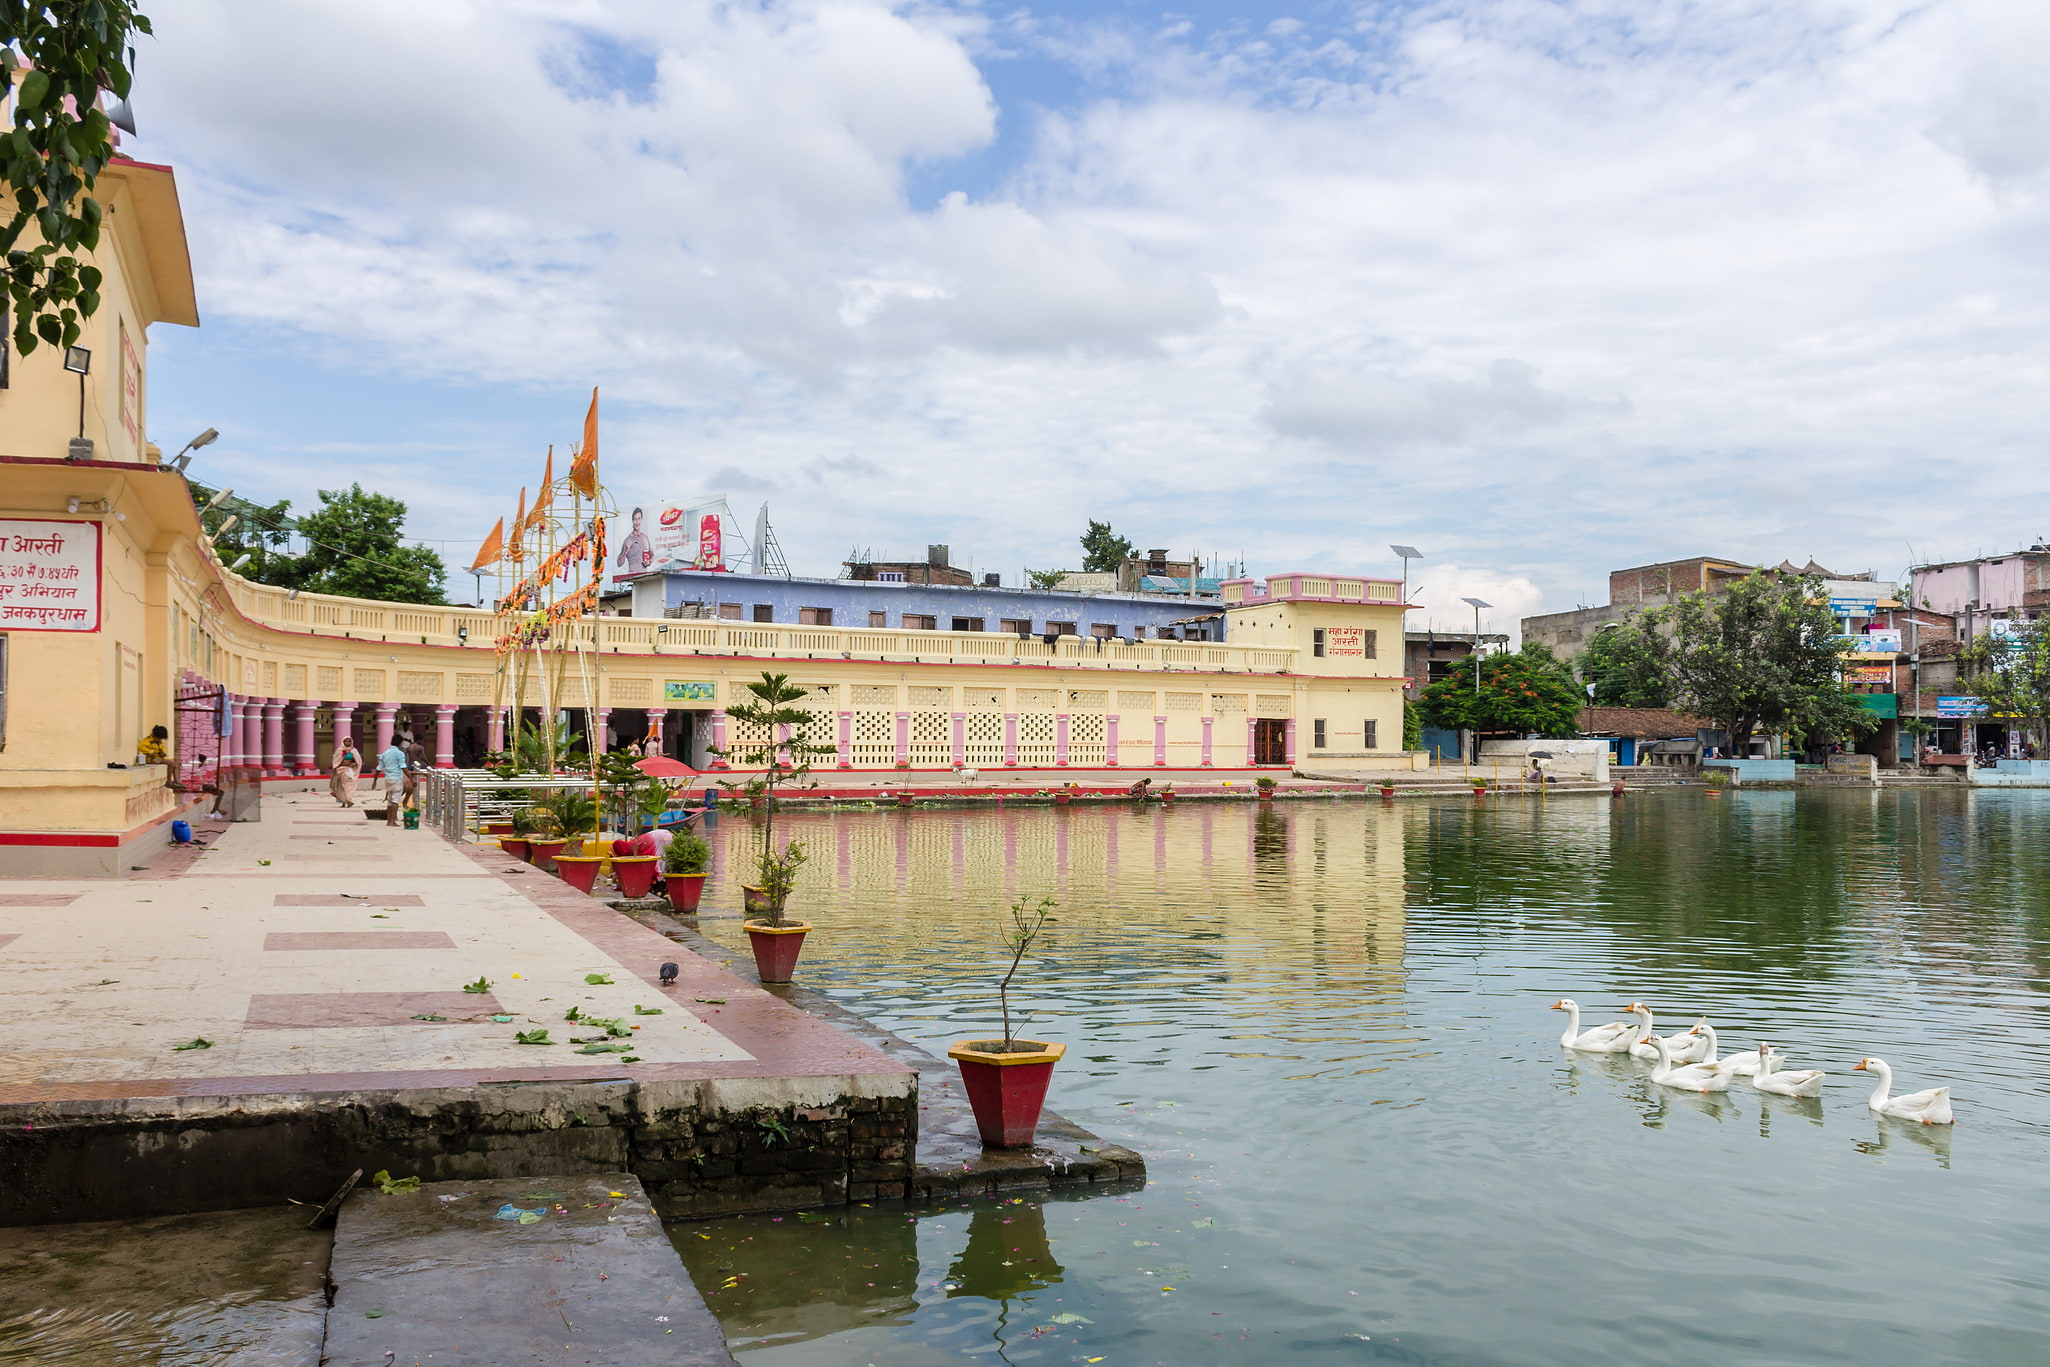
(683, 536)
(1960, 707)
(1878, 642)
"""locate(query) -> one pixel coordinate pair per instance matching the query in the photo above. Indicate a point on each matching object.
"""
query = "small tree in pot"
(781, 746)
(685, 866)
(1006, 1079)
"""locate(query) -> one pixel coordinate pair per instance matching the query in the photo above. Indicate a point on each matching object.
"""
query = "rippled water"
(242, 1288)
(1325, 1025)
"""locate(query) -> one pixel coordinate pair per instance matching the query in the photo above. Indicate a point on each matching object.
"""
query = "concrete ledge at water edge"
(514, 1270)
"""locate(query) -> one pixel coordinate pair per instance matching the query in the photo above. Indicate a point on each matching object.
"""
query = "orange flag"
(546, 496)
(518, 549)
(583, 470)
(493, 547)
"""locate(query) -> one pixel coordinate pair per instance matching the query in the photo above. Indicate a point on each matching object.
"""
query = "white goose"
(1739, 1065)
(1769, 1077)
(1930, 1108)
(1612, 1038)
(1694, 1077)
(1689, 1046)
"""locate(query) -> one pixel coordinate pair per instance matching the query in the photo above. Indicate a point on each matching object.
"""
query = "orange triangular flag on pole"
(493, 547)
(518, 549)
(583, 471)
(547, 494)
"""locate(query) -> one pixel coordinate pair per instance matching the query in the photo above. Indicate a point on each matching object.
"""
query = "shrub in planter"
(685, 865)
(1006, 1079)
(1266, 787)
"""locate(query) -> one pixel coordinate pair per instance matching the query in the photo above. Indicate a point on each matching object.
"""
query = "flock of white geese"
(1688, 1061)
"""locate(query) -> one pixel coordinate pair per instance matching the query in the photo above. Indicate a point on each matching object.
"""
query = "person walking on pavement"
(391, 768)
(348, 764)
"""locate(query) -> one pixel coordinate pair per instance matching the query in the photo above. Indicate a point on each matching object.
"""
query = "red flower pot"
(1266, 794)
(1387, 791)
(580, 871)
(543, 853)
(1006, 1091)
(685, 889)
(776, 949)
(904, 799)
(1063, 799)
(634, 873)
(518, 847)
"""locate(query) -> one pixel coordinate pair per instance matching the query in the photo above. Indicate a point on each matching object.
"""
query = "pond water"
(1326, 1027)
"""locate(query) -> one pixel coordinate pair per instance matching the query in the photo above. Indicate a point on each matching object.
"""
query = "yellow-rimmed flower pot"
(776, 948)
(1006, 1089)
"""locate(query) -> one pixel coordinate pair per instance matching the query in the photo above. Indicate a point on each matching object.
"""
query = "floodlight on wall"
(78, 360)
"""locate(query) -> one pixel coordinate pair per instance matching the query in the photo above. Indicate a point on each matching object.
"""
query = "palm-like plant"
(784, 752)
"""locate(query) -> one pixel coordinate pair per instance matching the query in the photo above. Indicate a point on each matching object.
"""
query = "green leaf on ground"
(640, 1010)
(263, 861)
(532, 1037)
(604, 1048)
(430, 1017)
(598, 979)
(710, 1001)
(379, 916)
(503, 1020)
(572, 1014)
(482, 985)
(373, 1314)
(195, 1044)
(631, 1058)
(394, 1186)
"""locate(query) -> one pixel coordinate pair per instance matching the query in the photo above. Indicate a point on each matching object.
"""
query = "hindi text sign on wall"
(49, 575)
(1346, 643)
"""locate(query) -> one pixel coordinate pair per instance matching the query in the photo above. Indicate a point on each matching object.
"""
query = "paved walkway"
(315, 950)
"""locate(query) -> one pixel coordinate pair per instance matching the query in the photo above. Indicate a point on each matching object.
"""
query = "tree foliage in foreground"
(1763, 656)
(2011, 675)
(58, 55)
(1528, 692)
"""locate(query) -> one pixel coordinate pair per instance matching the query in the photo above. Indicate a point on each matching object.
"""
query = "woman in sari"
(348, 765)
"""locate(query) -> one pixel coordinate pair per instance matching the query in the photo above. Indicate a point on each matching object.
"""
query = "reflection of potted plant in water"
(784, 754)
(685, 866)
(1006, 1079)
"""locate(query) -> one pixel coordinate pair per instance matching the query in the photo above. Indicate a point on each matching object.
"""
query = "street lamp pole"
(1477, 604)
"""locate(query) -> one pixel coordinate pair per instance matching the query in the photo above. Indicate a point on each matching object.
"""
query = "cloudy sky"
(1543, 287)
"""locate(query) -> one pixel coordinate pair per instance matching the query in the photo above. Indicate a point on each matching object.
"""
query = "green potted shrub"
(519, 843)
(784, 755)
(685, 866)
(1266, 788)
(575, 814)
(546, 840)
(1006, 1079)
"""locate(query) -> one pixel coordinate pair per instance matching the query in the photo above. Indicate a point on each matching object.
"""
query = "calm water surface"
(1325, 1026)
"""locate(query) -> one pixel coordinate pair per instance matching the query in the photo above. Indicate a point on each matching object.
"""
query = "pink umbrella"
(661, 766)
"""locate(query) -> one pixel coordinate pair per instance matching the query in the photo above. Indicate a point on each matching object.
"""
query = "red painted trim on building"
(95, 840)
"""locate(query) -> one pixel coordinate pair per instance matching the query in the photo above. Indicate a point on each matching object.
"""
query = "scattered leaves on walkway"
(503, 1020)
(379, 916)
(598, 979)
(640, 1010)
(430, 1017)
(194, 1044)
(573, 1014)
(394, 1186)
(482, 985)
(266, 862)
(710, 1001)
(531, 1036)
(604, 1048)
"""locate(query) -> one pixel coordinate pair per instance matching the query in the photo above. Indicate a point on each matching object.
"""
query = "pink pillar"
(1060, 742)
(303, 763)
(1010, 740)
(1160, 742)
(1206, 741)
(656, 716)
(960, 738)
(601, 726)
(274, 739)
(248, 734)
(845, 758)
(903, 737)
(386, 715)
(445, 736)
(1110, 740)
(1288, 742)
(719, 739)
(344, 715)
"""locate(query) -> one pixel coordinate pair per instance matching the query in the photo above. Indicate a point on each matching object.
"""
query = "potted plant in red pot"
(785, 755)
(519, 843)
(576, 816)
(1266, 787)
(1006, 1079)
(685, 866)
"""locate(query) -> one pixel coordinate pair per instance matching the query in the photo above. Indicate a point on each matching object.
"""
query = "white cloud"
(1544, 287)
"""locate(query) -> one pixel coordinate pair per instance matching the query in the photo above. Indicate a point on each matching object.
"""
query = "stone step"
(434, 1275)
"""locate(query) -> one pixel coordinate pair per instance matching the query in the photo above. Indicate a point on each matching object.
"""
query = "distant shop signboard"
(1960, 707)
(1879, 642)
(1869, 674)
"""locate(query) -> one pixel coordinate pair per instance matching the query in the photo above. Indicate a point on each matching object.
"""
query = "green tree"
(263, 532)
(2011, 675)
(354, 548)
(1625, 661)
(1528, 692)
(59, 55)
(1045, 579)
(784, 750)
(1103, 550)
(1764, 654)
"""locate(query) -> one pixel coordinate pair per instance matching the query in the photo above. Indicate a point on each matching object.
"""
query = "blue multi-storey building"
(929, 607)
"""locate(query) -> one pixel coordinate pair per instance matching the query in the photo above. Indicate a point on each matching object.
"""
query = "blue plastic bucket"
(181, 832)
